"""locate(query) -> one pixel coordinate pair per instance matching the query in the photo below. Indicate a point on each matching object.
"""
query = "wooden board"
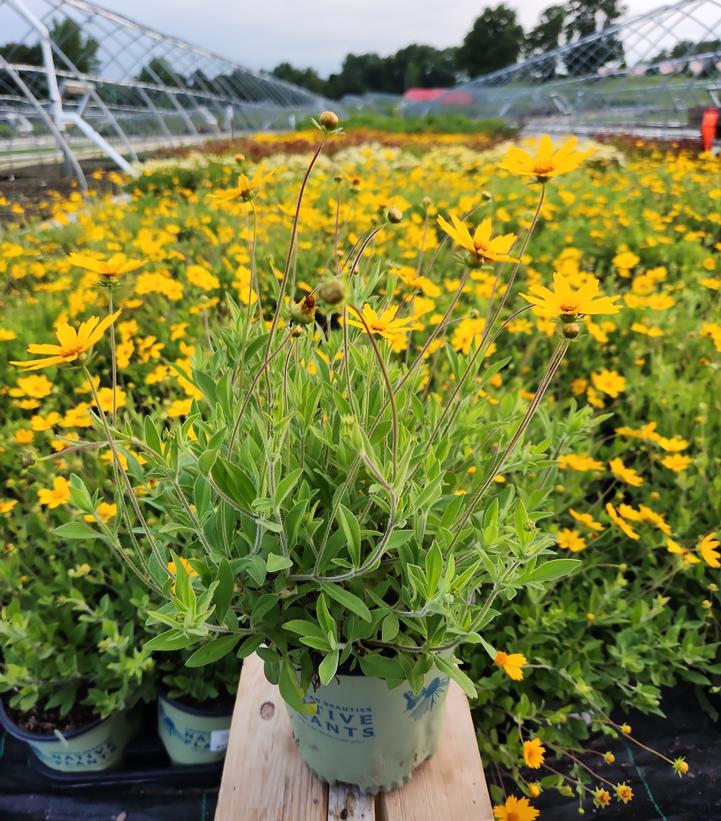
(264, 778)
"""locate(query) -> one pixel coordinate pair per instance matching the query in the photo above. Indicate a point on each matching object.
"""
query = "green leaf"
(214, 650)
(349, 600)
(169, 640)
(549, 571)
(76, 530)
(327, 668)
(290, 690)
(434, 568)
(249, 646)
(275, 562)
(389, 627)
(151, 435)
(207, 460)
(285, 486)
(224, 591)
(352, 532)
(445, 666)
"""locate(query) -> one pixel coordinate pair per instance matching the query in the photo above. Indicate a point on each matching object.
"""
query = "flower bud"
(239, 158)
(332, 290)
(329, 119)
(571, 330)
(303, 312)
(395, 215)
(486, 195)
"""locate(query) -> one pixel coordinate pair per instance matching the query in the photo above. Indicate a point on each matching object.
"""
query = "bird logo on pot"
(426, 700)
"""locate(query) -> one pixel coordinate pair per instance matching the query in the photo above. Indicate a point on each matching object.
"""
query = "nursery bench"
(264, 778)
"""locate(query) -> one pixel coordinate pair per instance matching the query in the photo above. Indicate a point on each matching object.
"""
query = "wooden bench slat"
(265, 779)
(347, 804)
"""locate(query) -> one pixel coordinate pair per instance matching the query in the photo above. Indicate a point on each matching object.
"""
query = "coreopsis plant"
(71, 653)
(324, 503)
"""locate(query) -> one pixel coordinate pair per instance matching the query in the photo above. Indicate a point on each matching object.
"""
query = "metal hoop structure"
(650, 75)
(78, 80)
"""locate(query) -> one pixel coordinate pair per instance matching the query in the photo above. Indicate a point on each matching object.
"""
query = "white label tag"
(219, 740)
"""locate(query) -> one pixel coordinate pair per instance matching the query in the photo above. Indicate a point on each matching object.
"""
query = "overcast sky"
(319, 33)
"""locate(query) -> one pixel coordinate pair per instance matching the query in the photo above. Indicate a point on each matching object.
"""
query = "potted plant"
(72, 669)
(195, 707)
(339, 509)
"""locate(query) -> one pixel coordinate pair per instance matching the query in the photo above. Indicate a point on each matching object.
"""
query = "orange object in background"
(709, 124)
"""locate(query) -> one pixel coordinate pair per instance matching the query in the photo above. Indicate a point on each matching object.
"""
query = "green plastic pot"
(192, 735)
(96, 746)
(366, 734)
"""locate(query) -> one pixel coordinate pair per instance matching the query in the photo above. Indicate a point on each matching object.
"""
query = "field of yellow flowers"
(637, 470)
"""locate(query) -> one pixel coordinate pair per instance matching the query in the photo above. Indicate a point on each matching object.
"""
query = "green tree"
(159, 71)
(587, 17)
(545, 37)
(80, 49)
(494, 42)
(303, 77)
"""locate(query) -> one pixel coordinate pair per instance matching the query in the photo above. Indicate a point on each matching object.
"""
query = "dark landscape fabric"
(658, 793)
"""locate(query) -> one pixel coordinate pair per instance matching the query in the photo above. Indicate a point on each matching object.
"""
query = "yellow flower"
(515, 809)
(202, 278)
(570, 540)
(533, 753)
(547, 163)
(601, 797)
(676, 462)
(7, 335)
(585, 519)
(105, 395)
(59, 495)
(24, 436)
(708, 548)
(73, 343)
(626, 260)
(624, 473)
(482, 246)
(243, 190)
(624, 793)
(38, 386)
(609, 382)
(620, 523)
(384, 324)
(511, 664)
(186, 565)
(568, 301)
(580, 462)
(105, 512)
(6, 505)
(111, 268)
(679, 550)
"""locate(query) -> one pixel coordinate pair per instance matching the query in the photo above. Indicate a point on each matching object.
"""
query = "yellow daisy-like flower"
(546, 163)
(586, 520)
(624, 793)
(59, 495)
(186, 564)
(708, 548)
(676, 462)
(385, 324)
(515, 809)
(105, 512)
(511, 664)
(570, 540)
(243, 190)
(620, 523)
(109, 269)
(533, 753)
(73, 343)
(679, 550)
(569, 301)
(483, 246)
(625, 474)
